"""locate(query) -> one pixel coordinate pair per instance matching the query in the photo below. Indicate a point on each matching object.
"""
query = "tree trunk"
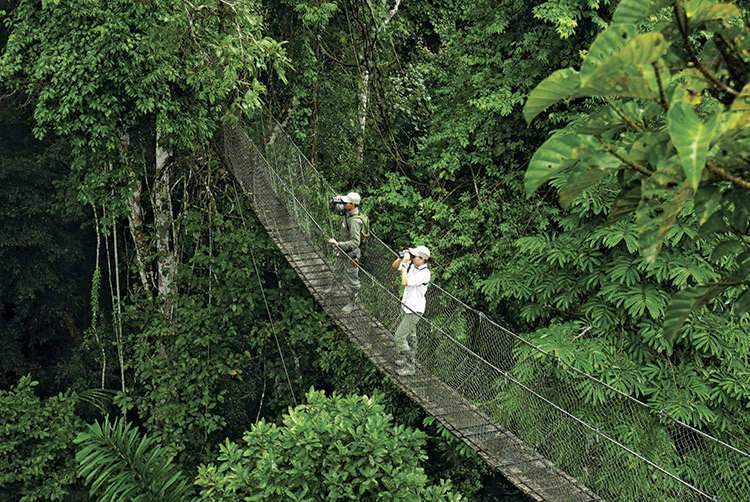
(163, 219)
(362, 103)
(135, 218)
(363, 92)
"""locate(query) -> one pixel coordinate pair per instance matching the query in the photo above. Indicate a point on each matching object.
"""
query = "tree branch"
(632, 165)
(721, 173)
(662, 96)
(682, 26)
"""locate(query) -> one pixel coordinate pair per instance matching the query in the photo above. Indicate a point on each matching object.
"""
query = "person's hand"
(406, 258)
(333, 241)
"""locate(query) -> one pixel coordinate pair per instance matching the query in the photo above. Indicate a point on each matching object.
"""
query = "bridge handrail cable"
(435, 329)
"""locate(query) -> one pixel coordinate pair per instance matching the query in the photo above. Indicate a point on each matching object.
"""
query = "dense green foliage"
(642, 163)
(674, 130)
(43, 287)
(37, 460)
(120, 464)
(131, 263)
(337, 448)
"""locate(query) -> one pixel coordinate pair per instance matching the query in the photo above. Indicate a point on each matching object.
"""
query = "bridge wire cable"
(268, 309)
(661, 412)
(491, 321)
(507, 375)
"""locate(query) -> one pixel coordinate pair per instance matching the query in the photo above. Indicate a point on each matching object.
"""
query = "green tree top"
(100, 69)
(673, 129)
(332, 448)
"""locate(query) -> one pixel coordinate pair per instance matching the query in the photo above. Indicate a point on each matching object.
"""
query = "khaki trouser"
(346, 271)
(406, 333)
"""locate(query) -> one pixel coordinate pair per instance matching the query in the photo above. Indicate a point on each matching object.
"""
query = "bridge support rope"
(528, 430)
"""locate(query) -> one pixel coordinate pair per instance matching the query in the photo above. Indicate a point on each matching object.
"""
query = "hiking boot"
(406, 370)
(352, 305)
(349, 307)
(405, 358)
(332, 290)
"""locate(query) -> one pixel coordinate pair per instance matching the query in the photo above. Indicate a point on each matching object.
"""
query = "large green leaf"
(644, 49)
(739, 217)
(625, 205)
(701, 11)
(605, 120)
(606, 44)
(707, 201)
(691, 137)
(742, 101)
(664, 196)
(682, 304)
(743, 271)
(741, 305)
(634, 11)
(726, 248)
(589, 172)
(561, 84)
(646, 145)
(558, 153)
(716, 223)
(631, 81)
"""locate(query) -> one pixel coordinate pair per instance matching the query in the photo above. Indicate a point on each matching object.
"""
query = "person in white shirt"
(415, 276)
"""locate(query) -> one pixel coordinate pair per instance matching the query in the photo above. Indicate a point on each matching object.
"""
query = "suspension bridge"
(532, 416)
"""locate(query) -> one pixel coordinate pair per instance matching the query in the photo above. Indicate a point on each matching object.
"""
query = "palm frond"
(119, 463)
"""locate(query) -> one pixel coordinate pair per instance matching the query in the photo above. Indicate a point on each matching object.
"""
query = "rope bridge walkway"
(555, 432)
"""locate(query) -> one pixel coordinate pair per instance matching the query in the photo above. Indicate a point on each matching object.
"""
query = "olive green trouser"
(406, 333)
(346, 272)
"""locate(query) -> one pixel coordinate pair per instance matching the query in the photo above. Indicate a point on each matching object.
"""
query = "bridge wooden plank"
(523, 466)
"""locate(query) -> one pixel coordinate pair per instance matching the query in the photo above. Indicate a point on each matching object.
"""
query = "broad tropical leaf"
(706, 202)
(742, 304)
(606, 44)
(739, 217)
(625, 205)
(691, 137)
(644, 49)
(714, 224)
(701, 11)
(742, 101)
(633, 81)
(608, 120)
(559, 152)
(726, 248)
(590, 171)
(682, 304)
(634, 11)
(664, 196)
(560, 85)
(646, 145)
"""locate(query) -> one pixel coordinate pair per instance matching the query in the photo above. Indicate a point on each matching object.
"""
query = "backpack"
(365, 227)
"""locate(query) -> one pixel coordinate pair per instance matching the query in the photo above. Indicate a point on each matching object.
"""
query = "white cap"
(353, 198)
(420, 251)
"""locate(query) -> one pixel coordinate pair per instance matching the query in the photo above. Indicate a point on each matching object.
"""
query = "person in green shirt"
(346, 267)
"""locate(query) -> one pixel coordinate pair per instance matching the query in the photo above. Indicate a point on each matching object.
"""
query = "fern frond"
(118, 463)
(624, 271)
(98, 398)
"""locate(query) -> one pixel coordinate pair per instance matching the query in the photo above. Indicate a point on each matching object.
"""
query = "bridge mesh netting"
(622, 449)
